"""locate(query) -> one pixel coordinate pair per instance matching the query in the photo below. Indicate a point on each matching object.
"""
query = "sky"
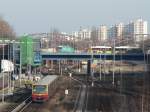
(36, 16)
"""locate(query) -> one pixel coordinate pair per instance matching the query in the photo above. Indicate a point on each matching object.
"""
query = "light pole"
(100, 67)
(14, 64)
(20, 67)
(113, 62)
(3, 75)
(9, 79)
(92, 69)
(8, 75)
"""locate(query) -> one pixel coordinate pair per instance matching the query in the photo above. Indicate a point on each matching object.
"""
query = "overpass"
(89, 57)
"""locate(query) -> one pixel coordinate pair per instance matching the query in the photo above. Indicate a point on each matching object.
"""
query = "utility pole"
(20, 66)
(14, 65)
(113, 62)
(3, 75)
(8, 58)
(100, 70)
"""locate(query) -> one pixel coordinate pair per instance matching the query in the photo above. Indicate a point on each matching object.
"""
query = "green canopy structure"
(26, 50)
(66, 49)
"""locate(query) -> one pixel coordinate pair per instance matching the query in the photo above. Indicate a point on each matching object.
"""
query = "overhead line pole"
(113, 62)
(20, 66)
(3, 75)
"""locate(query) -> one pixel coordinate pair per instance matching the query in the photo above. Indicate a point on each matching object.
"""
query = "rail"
(23, 105)
(82, 97)
(77, 99)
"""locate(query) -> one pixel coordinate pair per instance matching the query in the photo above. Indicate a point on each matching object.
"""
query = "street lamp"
(100, 66)
(3, 74)
(113, 62)
(20, 66)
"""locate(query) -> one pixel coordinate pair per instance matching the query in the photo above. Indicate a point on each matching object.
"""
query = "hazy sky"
(31, 16)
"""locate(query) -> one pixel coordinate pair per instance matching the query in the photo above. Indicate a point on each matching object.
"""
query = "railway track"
(57, 100)
(15, 99)
(89, 98)
(23, 105)
(81, 99)
(9, 107)
(96, 99)
(122, 91)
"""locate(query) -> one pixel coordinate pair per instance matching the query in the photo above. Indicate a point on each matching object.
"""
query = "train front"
(39, 93)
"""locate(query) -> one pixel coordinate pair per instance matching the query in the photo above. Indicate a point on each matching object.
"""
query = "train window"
(39, 88)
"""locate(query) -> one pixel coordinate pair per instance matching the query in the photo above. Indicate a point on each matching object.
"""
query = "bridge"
(89, 56)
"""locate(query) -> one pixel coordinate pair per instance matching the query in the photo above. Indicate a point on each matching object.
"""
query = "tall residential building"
(75, 34)
(102, 33)
(84, 34)
(116, 31)
(140, 30)
(94, 34)
(140, 27)
(112, 32)
(120, 30)
(137, 29)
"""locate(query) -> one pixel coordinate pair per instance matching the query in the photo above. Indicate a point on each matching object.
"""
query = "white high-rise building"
(112, 32)
(102, 33)
(84, 34)
(116, 31)
(75, 34)
(120, 30)
(140, 30)
(137, 29)
(140, 27)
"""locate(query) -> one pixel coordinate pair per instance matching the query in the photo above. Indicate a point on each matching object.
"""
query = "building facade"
(137, 29)
(102, 33)
(84, 34)
(120, 30)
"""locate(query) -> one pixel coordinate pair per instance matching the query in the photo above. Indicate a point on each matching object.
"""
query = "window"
(39, 89)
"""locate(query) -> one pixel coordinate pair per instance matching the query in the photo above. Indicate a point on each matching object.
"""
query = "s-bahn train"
(42, 90)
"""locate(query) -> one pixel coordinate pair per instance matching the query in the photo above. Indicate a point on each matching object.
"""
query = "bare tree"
(6, 31)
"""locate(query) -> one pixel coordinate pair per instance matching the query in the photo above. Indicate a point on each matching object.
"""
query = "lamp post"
(14, 65)
(100, 67)
(8, 75)
(9, 78)
(3, 75)
(113, 62)
(20, 67)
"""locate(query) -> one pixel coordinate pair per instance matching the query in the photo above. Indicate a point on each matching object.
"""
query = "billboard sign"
(37, 57)
(7, 66)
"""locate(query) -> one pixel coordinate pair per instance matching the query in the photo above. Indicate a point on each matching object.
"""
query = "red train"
(42, 90)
